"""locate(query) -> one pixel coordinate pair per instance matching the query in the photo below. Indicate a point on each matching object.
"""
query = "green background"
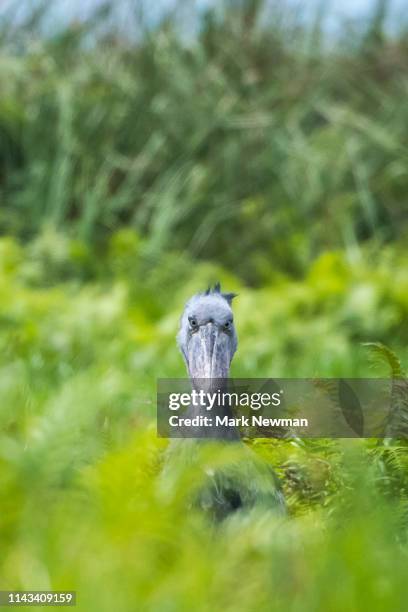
(136, 168)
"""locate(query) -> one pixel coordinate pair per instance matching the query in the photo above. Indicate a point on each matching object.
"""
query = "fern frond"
(382, 353)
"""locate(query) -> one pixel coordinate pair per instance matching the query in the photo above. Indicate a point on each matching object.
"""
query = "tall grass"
(244, 133)
(134, 170)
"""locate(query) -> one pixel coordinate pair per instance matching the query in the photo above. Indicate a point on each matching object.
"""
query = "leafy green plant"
(246, 134)
(136, 169)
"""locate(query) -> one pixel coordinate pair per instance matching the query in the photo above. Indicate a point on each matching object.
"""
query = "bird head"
(207, 336)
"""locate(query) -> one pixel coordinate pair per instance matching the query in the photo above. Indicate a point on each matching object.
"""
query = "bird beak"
(209, 356)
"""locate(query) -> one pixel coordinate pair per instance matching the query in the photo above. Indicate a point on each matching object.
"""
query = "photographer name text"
(242, 421)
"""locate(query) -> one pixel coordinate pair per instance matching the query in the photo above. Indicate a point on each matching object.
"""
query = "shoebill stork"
(207, 339)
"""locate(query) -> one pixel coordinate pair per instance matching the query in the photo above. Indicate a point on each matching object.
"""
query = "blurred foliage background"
(252, 147)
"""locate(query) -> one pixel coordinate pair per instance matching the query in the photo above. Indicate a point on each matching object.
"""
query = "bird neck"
(213, 403)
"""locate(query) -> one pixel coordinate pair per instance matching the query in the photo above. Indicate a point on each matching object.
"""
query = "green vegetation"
(131, 176)
(228, 146)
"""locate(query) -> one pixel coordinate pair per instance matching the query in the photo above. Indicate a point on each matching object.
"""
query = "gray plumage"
(207, 339)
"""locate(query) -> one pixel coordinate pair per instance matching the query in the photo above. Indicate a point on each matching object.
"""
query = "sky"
(347, 8)
(65, 11)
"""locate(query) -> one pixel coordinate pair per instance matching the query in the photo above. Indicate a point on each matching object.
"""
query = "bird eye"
(228, 324)
(193, 322)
